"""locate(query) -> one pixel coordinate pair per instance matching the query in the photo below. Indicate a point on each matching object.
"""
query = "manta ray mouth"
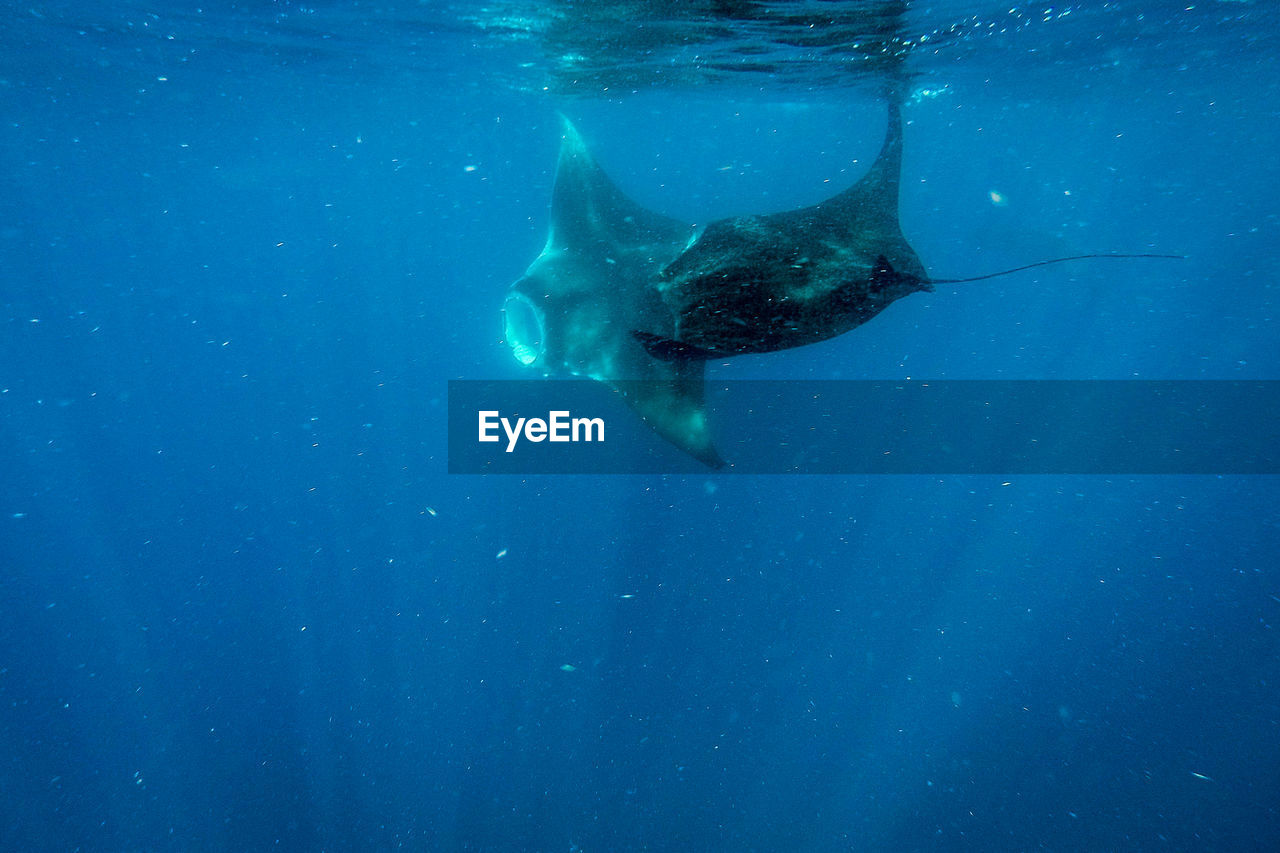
(524, 328)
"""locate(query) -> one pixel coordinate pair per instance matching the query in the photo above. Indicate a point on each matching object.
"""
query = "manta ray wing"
(866, 215)
(776, 281)
(573, 310)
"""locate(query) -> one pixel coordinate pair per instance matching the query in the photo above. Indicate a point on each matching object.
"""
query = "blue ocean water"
(244, 607)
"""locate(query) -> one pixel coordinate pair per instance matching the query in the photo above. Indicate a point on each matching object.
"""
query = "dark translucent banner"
(874, 427)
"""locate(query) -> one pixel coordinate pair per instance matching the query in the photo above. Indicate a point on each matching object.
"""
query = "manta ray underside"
(641, 301)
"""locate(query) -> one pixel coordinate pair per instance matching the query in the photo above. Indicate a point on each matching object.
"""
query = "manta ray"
(641, 301)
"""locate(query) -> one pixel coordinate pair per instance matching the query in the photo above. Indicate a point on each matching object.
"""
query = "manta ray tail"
(1047, 263)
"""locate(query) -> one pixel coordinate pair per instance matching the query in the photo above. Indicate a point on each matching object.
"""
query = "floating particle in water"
(929, 92)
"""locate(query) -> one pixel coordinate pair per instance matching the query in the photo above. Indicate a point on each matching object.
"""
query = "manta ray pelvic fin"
(669, 349)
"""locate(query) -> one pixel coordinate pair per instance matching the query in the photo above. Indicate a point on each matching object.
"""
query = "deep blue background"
(242, 607)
